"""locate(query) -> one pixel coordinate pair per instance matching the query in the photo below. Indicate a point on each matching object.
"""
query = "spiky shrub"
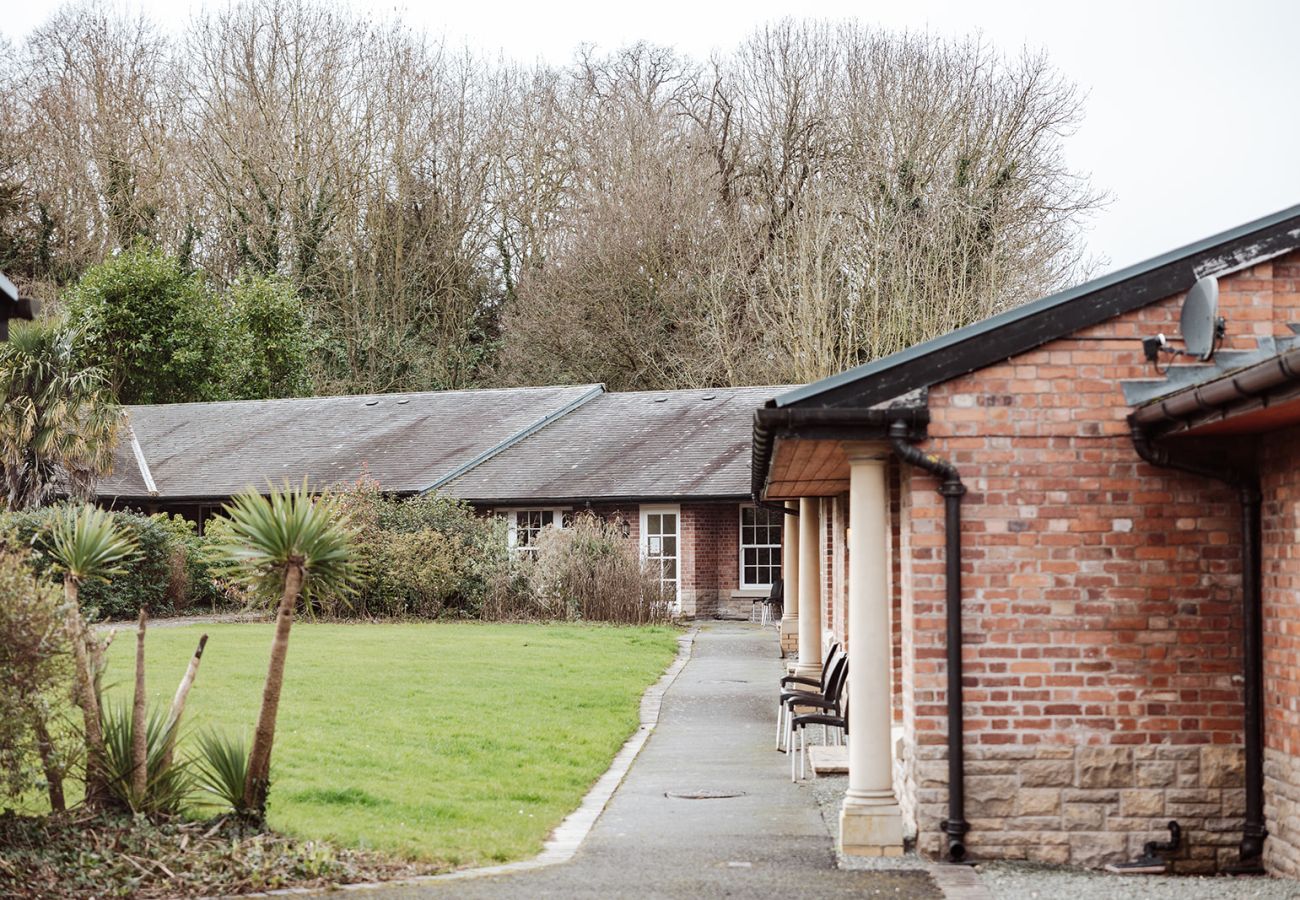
(293, 546)
(87, 545)
(168, 782)
(221, 769)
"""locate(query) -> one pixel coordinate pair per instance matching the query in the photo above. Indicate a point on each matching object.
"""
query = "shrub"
(590, 571)
(270, 341)
(193, 582)
(144, 585)
(167, 783)
(151, 327)
(428, 556)
(222, 769)
(35, 670)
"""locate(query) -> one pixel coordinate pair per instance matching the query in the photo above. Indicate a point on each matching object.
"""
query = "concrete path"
(715, 734)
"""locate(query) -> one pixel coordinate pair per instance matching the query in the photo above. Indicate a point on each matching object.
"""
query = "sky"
(1189, 117)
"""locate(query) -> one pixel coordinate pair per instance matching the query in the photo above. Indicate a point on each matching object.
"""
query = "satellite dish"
(1200, 324)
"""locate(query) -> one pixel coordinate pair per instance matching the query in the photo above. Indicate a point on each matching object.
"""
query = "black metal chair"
(799, 734)
(769, 609)
(834, 675)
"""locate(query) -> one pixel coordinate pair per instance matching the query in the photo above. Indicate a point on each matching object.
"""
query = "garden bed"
(79, 856)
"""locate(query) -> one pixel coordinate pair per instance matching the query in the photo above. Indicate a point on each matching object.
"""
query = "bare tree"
(822, 194)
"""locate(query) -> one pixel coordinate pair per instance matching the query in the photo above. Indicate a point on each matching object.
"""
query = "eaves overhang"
(821, 423)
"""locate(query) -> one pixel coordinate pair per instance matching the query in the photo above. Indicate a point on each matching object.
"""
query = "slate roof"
(642, 445)
(407, 442)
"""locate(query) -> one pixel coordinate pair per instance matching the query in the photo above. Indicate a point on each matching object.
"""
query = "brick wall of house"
(1102, 606)
(1280, 585)
(711, 560)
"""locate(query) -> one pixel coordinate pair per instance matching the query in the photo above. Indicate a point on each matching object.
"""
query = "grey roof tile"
(405, 441)
(642, 444)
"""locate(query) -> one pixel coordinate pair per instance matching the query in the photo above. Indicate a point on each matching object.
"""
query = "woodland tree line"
(821, 194)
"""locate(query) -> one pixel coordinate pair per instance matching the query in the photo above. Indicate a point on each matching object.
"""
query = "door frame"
(674, 509)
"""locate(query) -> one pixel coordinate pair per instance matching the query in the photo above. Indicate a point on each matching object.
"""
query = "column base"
(871, 830)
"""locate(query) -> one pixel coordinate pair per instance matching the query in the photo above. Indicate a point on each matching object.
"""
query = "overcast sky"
(1190, 120)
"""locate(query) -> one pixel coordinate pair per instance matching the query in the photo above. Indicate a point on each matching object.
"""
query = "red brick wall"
(711, 554)
(1102, 601)
(1280, 585)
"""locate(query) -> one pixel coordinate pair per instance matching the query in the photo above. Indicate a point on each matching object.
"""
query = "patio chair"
(767, 610)
(826, 700)
(799, 734)
(819, 683)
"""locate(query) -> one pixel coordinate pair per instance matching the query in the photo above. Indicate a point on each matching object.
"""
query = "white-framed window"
(760, 546)
(661, 543)
(525, 526)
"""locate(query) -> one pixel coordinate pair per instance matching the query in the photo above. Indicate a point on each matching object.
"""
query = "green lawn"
(459, 742)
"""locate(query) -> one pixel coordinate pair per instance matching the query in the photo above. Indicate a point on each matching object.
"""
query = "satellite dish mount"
(1200, 326)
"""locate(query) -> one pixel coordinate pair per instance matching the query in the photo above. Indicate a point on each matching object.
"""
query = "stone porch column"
(790, 574)
(810, 589)
(870, 821)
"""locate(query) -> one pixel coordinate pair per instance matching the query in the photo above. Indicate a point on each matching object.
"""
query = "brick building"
(673, 465)
(1120, 537)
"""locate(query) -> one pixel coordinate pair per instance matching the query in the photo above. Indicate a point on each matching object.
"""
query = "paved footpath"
(715, 734)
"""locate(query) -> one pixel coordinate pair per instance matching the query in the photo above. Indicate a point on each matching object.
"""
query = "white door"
(660, 543)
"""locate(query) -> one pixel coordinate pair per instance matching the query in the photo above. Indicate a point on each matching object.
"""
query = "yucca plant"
(291, 546)
(221, 767)
(87, 544)
(167, 782)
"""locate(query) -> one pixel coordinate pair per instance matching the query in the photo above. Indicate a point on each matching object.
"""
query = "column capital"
(866, 451)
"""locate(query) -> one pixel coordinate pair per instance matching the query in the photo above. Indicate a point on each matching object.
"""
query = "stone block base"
(871, 830)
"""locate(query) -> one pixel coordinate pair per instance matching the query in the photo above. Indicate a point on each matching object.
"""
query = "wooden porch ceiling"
(804, 467)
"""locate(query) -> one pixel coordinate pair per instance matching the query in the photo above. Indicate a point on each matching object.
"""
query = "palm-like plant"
(58, 421)
(87, 544)
(291, 545)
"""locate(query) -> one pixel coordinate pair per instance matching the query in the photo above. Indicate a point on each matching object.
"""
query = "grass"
(463, 743)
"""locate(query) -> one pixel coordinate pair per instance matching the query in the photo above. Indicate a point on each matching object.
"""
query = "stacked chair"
(827, 702)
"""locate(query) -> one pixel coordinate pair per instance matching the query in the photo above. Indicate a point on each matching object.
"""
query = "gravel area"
(1015, 881)
(1028, 881)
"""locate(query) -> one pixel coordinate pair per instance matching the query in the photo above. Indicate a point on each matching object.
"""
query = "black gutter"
(1246, 482)
(952, 489)
(1218, 395)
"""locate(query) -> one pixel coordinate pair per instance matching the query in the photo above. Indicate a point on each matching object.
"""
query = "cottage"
(673, 464)
(1062, 552)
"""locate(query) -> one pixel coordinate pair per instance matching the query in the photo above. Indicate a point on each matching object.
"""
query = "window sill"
(755, 593)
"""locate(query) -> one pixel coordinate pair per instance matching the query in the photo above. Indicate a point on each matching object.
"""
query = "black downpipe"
(1246, 482)
(955, 826)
